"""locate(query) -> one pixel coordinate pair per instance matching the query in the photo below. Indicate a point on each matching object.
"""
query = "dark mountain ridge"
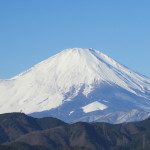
(21, 132)
(14, 125)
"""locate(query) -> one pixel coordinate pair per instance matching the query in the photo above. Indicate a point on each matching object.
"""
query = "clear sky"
(33, 30)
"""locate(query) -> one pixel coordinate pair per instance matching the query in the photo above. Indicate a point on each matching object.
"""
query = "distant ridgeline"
(21, 132)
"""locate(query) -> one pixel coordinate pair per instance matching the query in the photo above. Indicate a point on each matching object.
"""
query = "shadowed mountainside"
(22, 132)
(14, 125)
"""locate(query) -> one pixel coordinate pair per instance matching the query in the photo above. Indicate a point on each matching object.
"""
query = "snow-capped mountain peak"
(85, 66)
(69, 76)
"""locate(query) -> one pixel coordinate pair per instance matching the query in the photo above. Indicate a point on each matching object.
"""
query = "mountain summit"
(78, 85)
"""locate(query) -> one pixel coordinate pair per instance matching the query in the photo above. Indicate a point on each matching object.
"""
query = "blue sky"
(33, 30)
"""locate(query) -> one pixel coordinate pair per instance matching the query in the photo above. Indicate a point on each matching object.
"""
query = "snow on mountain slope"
(94, 106)
(71, 80)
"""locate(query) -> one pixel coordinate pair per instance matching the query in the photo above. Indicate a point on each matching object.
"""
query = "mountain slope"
(27, 133)
(14, 125)
(94, 136)
(78, 84)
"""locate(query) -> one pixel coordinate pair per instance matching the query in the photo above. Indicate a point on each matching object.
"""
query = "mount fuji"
(78, 85)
